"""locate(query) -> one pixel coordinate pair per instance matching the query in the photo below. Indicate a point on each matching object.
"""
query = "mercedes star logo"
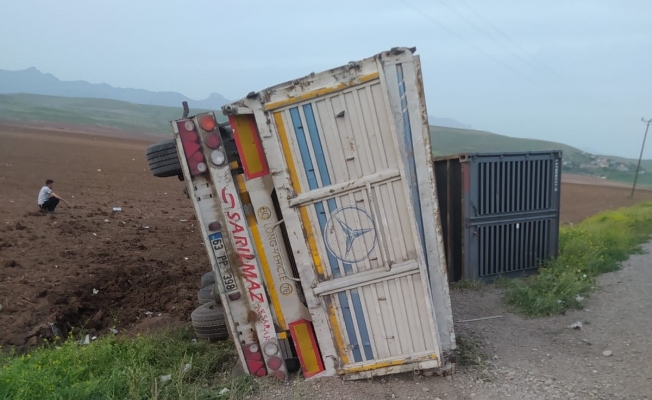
(350, 234)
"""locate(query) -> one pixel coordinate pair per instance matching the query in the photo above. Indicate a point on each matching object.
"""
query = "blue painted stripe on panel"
(322, 218)
(322, 167)
(303, 148)
(362, 324)
(412, 170)
(350, 329)
(317, 148)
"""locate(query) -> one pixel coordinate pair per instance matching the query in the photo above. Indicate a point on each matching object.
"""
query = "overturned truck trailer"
(321, 222)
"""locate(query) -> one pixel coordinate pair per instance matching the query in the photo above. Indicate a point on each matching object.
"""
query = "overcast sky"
(573, 71)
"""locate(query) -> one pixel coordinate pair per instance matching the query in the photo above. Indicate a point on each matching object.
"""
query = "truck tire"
(163, 159)
(208, 279)
(209, 322)
(205, 295)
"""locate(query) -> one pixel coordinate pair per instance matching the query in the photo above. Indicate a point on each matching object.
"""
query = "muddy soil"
(87, 266)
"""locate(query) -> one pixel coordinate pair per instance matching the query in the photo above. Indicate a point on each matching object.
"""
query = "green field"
(447, 141)
(155, 120)
(93, 112)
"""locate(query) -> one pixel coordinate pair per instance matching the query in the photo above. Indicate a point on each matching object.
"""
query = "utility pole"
(638, 166)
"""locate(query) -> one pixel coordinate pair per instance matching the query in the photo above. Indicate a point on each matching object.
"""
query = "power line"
(535, 58)
(506, 37)
(476, 48)
(483, 32)
(555, 83)
(638, 166)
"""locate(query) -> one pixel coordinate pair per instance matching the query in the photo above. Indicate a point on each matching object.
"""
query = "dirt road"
(531, 358)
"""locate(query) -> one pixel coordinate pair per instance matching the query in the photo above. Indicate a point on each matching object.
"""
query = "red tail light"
(188, 136)
(254, 360)
(191, 147)
(208, 123)
(198, 157)
(213, 140)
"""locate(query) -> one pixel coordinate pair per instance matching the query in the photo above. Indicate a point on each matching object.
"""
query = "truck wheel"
(208, 279)
(205, 295)
(163, 159)
(209, 322)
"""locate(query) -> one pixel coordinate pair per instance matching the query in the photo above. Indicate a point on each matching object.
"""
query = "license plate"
(228, 280)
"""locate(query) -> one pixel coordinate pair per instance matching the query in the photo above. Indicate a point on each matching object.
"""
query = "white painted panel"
(353, 132)
(356, 233)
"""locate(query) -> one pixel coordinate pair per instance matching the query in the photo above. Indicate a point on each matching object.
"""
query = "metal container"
(499, 211)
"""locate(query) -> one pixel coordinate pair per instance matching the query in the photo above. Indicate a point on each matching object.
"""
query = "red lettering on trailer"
(244, 250)
(249, 272)
(231, 198)
(233, 215)
(241, 242)
(264, 317)
(237, 228)
(246, 255)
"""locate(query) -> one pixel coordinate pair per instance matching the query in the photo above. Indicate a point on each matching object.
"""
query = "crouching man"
(47, 199)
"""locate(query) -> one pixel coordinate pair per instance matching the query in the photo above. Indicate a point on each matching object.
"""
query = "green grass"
(94, 112)
(446, 141)
(597, 245)
(470, 351)
(124, 368)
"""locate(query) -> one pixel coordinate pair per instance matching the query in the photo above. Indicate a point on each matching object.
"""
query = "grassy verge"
(470, 351)
(121, 368)
(597, 245)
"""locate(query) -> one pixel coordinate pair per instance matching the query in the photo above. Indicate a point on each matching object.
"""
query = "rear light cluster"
(274, 362)
(254, 359)
(192, 149)
(256, 363)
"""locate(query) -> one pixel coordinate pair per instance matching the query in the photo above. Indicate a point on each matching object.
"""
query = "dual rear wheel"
(209, 320)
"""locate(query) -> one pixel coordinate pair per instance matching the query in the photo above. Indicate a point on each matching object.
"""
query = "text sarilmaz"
(243, 248)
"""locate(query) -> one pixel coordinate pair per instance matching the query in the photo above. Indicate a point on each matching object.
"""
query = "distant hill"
(93, 112)
(448, 141)
(33, 81)
(447, 123)
(445, 141)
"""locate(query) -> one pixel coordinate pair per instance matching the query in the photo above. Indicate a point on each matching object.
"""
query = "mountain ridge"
(33, 81)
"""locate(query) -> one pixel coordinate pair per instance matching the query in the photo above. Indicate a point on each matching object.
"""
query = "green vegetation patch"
(92, 112)
(125, 368)
(597, 245)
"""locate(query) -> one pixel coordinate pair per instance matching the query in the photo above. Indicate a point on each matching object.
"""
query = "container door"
(355, 214)
(512, 214)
